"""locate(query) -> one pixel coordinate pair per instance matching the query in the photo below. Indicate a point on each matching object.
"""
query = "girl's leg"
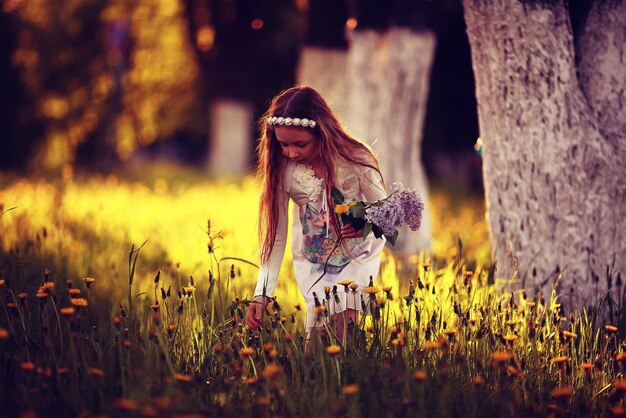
(343, 321)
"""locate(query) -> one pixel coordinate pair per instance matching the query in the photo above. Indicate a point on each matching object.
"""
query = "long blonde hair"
(301, 102)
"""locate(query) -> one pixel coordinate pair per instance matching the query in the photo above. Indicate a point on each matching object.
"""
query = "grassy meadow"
(127, 297)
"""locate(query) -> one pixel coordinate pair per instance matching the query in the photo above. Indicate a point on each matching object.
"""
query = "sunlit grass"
(141, 313)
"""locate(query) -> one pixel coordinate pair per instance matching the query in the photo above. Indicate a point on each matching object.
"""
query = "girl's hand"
(348, 231)
(256, 308)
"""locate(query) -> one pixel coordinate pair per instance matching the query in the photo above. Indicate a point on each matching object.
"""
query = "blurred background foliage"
(101, 83)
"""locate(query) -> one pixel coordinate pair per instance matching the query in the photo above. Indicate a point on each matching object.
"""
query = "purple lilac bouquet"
(403, 206)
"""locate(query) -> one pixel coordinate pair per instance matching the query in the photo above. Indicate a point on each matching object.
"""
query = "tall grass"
(120, 298)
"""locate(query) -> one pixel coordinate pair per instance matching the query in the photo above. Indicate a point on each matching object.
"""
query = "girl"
(303, 153)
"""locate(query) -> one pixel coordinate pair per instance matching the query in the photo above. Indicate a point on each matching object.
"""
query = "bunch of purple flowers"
(403, 206)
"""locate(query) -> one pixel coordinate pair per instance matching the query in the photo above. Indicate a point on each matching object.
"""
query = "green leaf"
(367, 229)
(337, 196)
(392, 238)
(358, 210)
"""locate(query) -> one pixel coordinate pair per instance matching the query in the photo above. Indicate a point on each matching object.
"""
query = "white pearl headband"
(305, 123)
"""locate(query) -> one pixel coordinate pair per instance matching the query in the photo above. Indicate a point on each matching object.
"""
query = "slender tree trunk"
(229, 153)
(553, 169)
(388, 76)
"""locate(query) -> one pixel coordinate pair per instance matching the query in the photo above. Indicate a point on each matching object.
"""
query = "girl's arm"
(268, 273)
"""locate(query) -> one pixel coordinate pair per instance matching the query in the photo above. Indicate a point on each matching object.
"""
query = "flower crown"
(278, 120)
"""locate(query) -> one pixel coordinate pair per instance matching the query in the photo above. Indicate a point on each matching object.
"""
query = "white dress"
(314, 237)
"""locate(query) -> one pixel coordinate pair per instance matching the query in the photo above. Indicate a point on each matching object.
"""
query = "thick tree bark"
(553, 143)
(388, 75)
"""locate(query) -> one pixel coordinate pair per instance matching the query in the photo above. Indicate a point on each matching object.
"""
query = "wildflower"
(618, 410)
(73, 292)
(420, 375)
(42, 296)
(562, 392)
(183, 378)
(27, 366)
(189, 290)
(46, 287)
(342, 208)
(619, 385)
(510, 337)
(351, 389)
(450, 332)
(354, 286)
(610, 328)
(88, 281)
(333, 350)
(501, 356)
(67, 311)
(478, 381)
(371, 290)
(621, 356)
(22, 296)
(79, 302)
(252, 381)
(345, 284)
(247, 351)
(124, 404)
(586, 366)
(432, 345)
(559, 360)
(271, 371)
(387, 290)
(155, 306)
(4, 334)
(2, 282)
(94, 371)
(569, 335)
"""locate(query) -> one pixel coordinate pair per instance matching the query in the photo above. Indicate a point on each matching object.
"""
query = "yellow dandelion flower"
(333, 350)
(562, 392)
(478, 381)
(350, 390)
(247, 351)
(67, 311)
(342, 208)
(271, 371)
(88, 281)
(511, 322)
(320, 309)
(189, 290)
(610, 328)
(559, 360)
(586, 366)
(4, 334)
(621, 356)
(618, 411)
(252, 381)
(124, 404)
(27, 366)
(570, 335)
(47, 287)
(2, 282)
(183, 378)
(620, 385)
(354, 286)
(420, 375)
(510, 338)
(22, 296)
(371, 290)
(79, 302)
(501, 356)
(41, 295)
(387, 289)
(73, 291)
(450, 332)
(432, 345)
(94, 371)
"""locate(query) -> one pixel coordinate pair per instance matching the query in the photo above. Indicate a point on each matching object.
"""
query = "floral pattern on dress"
(318, 244)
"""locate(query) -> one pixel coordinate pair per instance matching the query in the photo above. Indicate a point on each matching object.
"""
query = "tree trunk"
(553, 170)
(229, 153)
(324, 69)
(388, 76)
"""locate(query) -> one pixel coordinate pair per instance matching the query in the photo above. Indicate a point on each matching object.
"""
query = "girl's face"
(298, 144)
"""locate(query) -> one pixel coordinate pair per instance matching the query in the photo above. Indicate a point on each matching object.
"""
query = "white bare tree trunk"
(388, 76)
(229, 154)
(324, 69)
(554, 151)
